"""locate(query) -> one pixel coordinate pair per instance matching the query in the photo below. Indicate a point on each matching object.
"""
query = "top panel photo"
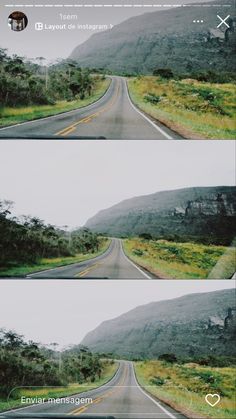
(117, 70)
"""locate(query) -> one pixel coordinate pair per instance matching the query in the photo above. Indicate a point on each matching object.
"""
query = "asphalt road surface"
(121, 398)
(112, 264)
(111, 117)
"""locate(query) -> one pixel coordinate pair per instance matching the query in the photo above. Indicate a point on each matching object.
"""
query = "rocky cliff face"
(217, 204)
(160, 39)
(193, 325)
(190, 213)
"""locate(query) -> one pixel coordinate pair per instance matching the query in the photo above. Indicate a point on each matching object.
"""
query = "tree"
(28, 239)
(31, 364)
(27, 82)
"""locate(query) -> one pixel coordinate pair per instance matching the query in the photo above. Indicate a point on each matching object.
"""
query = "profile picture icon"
(17, 21)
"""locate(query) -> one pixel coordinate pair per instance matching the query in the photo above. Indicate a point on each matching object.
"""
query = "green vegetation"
(184, 386)
(52, 373)
(23, 270)
(27, 244)
(109, 369)
(197, 215)
(191, 107)
(10, 116)
(30, 90)
(198, 327)
(169, 259)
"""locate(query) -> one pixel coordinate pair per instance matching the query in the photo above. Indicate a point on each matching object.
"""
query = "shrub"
(157, 381)
(152, 98)
(211, 76)
(145, 236)
(165, 73)
(207, 377)
(171, 358)
(137, 252)
(216, 361)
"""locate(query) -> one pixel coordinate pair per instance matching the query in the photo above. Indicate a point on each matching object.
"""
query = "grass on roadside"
(11, 116)
(23, 270)
(109, 371)
(184, 387)
(181, 260)
(190, 107)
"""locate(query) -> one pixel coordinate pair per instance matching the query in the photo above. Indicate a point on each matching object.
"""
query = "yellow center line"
(83, 408)
(86, 271)
(88, 118)
(95, 265)
(78, 410)
(98, 400)
(107, 393)
(68, 131)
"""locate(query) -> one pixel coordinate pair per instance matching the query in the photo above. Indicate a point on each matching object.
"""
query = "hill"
(192, 325)
(199, 213)
(164, 38)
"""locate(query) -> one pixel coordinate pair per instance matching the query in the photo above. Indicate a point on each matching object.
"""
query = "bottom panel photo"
(122, 349)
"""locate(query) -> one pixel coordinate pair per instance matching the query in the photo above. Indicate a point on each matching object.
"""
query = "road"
(121, 398)
(111, 117)
(112, 264)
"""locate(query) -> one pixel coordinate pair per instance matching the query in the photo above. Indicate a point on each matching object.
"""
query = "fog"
(60, 43)
(66, 182)
(65, 311)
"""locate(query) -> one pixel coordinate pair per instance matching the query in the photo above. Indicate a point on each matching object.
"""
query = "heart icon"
(212, 399)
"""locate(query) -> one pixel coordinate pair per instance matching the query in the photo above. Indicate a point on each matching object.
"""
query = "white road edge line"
(64, 266)
(145, 117)
(59, 114)
(84, 392)
(48, 270)
(132, 263)
(149, 397)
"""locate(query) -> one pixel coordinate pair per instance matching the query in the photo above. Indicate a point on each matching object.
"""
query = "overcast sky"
(66, 182)
(60, 43)
(65, 311)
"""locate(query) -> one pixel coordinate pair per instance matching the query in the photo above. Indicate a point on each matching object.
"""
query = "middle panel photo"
(121, 210)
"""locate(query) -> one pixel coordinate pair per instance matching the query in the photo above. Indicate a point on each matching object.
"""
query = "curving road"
(121, 398)
(112, 264)
(111, 117)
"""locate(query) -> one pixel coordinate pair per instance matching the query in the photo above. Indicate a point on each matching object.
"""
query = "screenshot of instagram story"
(118, 69)
(117, 257)
(117, 283)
